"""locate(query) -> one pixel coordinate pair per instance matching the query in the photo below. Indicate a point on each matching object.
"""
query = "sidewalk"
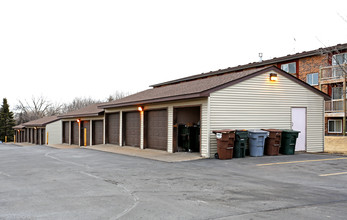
(24, 144)
(147, 153)
(63, 146)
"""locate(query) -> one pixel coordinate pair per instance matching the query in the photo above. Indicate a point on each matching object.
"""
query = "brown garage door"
(112, 123)
(28, 134)
(36, 136)
(156, 129)
(43, 136)
(75, 133)
(132, 129)
(98, 132)
(85, 125)
(66, 132)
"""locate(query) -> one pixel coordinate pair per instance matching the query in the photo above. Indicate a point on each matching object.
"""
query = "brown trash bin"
(273, 142)
(225, 143)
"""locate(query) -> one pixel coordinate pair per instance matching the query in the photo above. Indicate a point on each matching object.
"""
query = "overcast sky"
(65, 49)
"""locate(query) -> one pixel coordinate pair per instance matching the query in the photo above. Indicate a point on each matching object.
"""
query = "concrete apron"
(21, 144)
(147, 153)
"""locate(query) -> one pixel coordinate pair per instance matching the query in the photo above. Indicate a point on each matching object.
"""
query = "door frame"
(175, 142)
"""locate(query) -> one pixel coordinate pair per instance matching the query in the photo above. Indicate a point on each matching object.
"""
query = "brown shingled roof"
(21, 126)
(264, 63)
(89, 111)
(196, 88)
(41, 122)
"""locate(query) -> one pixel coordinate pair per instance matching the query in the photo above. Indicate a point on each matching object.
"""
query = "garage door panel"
(66, 132)
(132, 129)
(98, 132)
(113, 128)
(43, 136)
(156, 129)
(75, 133)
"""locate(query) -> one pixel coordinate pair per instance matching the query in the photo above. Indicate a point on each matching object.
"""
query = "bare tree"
(54, 109)
(78, 103)
(117, 95)
(35, 108)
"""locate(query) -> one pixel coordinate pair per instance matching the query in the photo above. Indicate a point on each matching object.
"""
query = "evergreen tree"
(6, 122)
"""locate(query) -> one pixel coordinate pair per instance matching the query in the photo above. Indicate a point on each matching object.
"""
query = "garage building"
(180, 115)
(36, 130)
(83, 127)
(19, 132)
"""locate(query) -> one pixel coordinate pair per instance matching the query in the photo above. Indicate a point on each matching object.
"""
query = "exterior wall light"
(273, 77)
(140, 108)
(78, 121)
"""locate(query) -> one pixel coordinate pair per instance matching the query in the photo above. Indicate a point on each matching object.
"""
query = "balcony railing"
(334, 106)
(334, 72)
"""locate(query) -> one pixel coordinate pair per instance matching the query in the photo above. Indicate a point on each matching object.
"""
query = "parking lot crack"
(284, 208)
(124, 189)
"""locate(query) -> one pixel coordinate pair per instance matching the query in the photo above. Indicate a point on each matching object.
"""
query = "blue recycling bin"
(256, 142)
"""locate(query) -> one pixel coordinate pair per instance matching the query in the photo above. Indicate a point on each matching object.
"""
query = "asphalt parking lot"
(38, 182)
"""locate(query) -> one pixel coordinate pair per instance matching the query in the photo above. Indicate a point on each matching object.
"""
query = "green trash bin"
(241, 140)
(288, 141)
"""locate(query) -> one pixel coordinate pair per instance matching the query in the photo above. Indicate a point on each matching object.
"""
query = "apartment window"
(339, 59)
(334, 126)
(337, 93)
(289, 67)
(312, 79)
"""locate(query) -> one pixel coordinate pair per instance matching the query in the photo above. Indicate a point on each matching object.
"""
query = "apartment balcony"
(334, 108)
(333, 74)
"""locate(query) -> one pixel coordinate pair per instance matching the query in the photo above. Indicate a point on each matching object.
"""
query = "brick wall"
(311, 65)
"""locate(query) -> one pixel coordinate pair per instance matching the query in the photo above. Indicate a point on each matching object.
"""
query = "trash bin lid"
(258, 131)
(290, 131)
(273, 130)
(224, 131)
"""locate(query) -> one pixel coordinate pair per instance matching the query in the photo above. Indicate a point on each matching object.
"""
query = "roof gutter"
(80, 115)
(165, 99)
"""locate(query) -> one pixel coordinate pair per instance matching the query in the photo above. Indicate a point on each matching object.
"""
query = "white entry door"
(299, 124)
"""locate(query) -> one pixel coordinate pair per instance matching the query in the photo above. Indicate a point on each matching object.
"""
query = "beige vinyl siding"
(170, 106)
(54, 131)
(259, 103)
(204, 129)
(120, 128)
(142, 131)
(170, 130)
